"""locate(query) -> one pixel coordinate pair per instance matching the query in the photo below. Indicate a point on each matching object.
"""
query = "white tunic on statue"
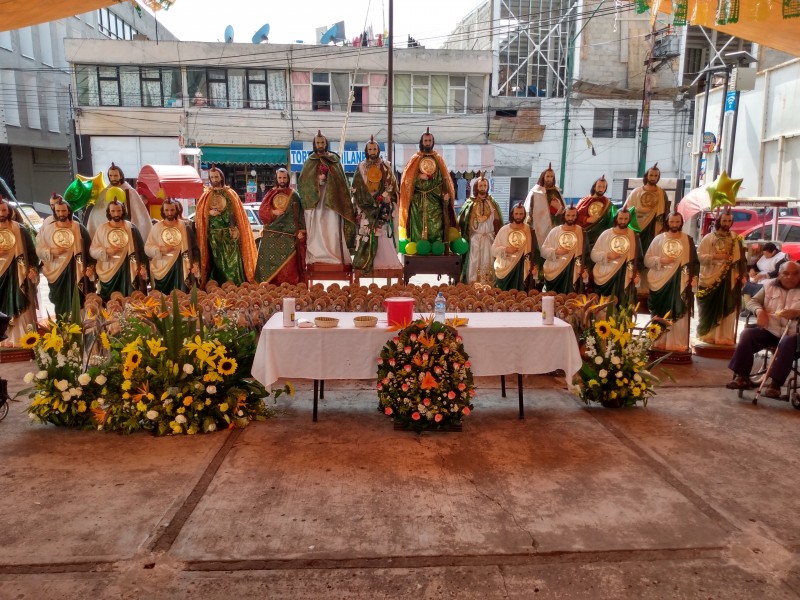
(481, 261)
(676, 339)
(325, 242)
(386, 256)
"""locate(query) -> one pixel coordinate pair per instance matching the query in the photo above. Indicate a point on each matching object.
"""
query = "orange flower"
(415, 416)
(465, 411)
(398, 325)
(388, 410)
(417, 360)
(426, 341)
(428, 382)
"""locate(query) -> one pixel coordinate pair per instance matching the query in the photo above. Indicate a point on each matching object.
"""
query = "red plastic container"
(399, 311)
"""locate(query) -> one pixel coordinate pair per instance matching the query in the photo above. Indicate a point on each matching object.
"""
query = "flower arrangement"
(166, 371)
(424, 377)
(616, 371)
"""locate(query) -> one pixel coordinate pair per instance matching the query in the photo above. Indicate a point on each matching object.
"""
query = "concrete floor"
(694, 496)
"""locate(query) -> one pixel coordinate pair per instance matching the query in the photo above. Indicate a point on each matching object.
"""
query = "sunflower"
(653, 331)
(226, 366)
(603, 329)
(134, 358)
(289, 388)
(29, 340)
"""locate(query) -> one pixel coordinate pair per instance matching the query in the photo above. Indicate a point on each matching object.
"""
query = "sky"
(428, 21)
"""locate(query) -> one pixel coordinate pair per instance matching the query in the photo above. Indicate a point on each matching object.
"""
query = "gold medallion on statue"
(374, 174)
(620, 244)
(280, 202)
(117, 237)
(7, 240)
(672, 248)
(567, 240)
(648, 199)
(723, 245)
(171, 236)
(218, 201)
(63, 237)
(595, 209)
(427, 166)
(517, 238)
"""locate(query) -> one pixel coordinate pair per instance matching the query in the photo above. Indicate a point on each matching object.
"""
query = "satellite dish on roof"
(262, 35)
(334, 34)
(229, 34)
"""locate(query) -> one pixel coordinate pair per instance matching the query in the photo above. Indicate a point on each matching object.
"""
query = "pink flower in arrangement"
(380, 361)
(438, 417)
(467, 364)
(440, 336)
(458, 339)
(415, 416)
(424, 356)
(404, 387)
(413, 337)
(392, 362)
(456, 365)
(472, 393)
(451, 395)
(407, 368)
(465, 411)
(407, 349)
(461, 387)
(427, 401)
(446, 350)
(380, 387)
(437, 370)
(395, 339)
(388, 410)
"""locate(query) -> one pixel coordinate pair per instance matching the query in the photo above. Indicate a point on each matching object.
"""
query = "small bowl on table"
(326, 322)
(365, 321)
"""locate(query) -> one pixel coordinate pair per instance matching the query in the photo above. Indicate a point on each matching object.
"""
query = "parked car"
(744, 219)
(788, 237)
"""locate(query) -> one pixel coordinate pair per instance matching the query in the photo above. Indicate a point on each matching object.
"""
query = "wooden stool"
(322, 271)
(449, 264)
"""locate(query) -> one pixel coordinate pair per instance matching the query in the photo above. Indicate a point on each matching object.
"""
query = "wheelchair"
(4, 397)
(761, 365)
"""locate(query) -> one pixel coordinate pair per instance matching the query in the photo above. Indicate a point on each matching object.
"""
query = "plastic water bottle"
(439, 308)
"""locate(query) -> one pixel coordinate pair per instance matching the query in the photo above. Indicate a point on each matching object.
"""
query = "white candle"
(548, 310)
(288, 312)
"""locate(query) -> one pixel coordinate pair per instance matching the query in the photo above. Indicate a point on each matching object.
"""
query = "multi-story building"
(36, 144)
(250, 108)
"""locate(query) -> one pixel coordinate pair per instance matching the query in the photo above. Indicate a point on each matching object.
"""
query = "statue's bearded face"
(427, 143)
(114, 177)
(623, 220)
(653, 175)
(600, 187)
(675, 223)
(518, 215)
(62, 213)
(283, 179)
(549, 179)
(482, 187)
(373, 151)
(215, 177)
(570, 216)
(319, 145)
(170, 212)
(116, 212)
(725, 222)
(4, 213)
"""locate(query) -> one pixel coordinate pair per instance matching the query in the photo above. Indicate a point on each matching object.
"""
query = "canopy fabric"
(177, 181)
(245, 155)
(21, 13)
(759, 21)
(693, 202)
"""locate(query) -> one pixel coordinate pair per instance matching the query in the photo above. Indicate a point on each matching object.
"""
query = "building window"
(235, 88)
(320, 91)
(32, 100)
(26, 42)
(128, 86)
(9, 81)
(420, 93)
(113, 26)
(626, 122)
(217, 88)
(378, 92)
(5, 40)
(256, 88)
(455, 94)
(45, 44)
(51, 102)
(603, 126)
(109, 86)
(360, 93)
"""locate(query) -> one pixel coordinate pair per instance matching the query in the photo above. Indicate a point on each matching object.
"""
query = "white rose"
(240, 413)
(66, 396)
(180, 419)
(188, 369)
(603, 373)
(212, 389)
(212, 427)
(62, 385)
(615, 360)
(619, 375)
(41, 375)
(84, 378)
(598, 360)
(153, 415)
(637, 378)
(28, 378)
(75, 392)
(100, 379)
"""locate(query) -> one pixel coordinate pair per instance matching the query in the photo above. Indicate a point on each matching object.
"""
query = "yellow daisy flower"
(653, 331)
(105, 341)
(29, 340)
(226, 366)
(603, 329)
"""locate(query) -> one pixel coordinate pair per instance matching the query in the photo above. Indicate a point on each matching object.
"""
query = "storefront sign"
(352, 155)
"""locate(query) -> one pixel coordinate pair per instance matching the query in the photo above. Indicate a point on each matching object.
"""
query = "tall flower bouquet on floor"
(424, 377)
(616, 371)
(166, 370)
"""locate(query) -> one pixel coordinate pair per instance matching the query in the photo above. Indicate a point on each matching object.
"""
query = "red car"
(788, 238)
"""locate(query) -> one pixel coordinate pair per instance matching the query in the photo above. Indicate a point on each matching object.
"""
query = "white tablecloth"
(497, 343)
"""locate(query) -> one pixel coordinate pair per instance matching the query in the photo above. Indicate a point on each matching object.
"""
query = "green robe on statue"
(227, 263)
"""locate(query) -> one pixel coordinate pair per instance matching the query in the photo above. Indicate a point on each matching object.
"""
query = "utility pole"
(390, 95)
(646, 98)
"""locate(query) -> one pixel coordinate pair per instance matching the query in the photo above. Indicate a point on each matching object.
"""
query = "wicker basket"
(326, 322)
(365, 321)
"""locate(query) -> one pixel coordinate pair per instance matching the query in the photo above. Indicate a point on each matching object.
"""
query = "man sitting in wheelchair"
(775, 306)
